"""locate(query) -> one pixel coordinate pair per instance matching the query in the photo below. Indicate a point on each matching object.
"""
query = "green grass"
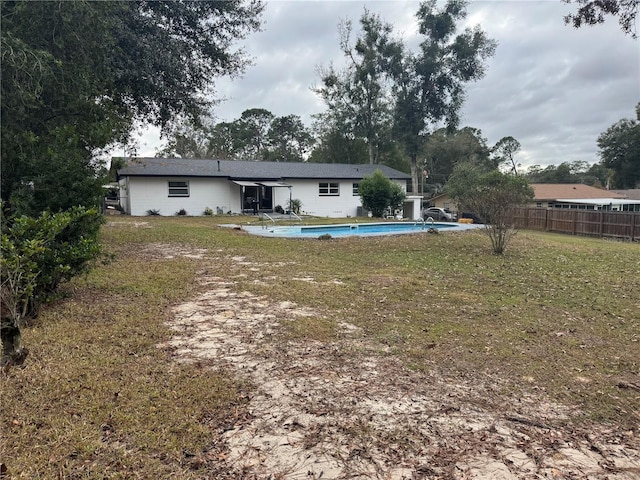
(556, 314)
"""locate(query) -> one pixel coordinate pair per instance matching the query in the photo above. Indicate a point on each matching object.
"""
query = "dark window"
(326, 188)
(178, 189)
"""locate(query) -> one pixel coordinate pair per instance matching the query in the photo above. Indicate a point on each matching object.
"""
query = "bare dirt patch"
(348, 409)
(128, 224)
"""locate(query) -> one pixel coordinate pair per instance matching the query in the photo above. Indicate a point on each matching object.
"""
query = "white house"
(230, 186)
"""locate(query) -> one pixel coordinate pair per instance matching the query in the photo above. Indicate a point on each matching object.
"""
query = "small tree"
(493, 196)
(378, 193)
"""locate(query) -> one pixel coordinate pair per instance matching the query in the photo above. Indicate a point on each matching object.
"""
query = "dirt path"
(346, 410)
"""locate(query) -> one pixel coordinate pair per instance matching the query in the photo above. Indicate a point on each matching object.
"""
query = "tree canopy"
(77, 75)
(257, 135)
(592, 12)
(620, 151)
(358, 97)
(569, 172)
(504, 153)
(430, 85)
(445, 148)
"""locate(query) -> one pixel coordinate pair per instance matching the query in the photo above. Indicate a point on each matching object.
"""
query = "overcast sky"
(552, 87)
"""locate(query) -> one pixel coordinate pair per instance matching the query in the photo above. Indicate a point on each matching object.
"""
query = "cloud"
(552, 87)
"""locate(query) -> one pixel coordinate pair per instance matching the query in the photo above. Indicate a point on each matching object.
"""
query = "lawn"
(556, 315)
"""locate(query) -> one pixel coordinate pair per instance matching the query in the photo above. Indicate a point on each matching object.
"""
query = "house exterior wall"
(139, 194)
(344, 204)
(444, 201)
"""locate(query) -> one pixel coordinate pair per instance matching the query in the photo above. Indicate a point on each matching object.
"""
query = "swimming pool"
(351, 229)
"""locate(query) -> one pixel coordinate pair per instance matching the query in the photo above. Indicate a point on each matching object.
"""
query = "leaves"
(379, 193)
(492, 196)
(77, 75)
(620, 151)
(38, 254)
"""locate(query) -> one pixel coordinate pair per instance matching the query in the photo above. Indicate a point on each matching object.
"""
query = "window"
(356, 186)
(178, 189)
(326, 188)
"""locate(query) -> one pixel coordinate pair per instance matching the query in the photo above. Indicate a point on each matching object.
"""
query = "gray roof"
(244, 170)
(633, 193)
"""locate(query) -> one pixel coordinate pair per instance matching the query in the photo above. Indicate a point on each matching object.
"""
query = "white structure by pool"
(230, 186)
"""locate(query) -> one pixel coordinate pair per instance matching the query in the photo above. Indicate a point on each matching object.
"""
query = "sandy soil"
(346, 410)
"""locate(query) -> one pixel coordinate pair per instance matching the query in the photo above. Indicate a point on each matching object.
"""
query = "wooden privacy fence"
(599, 223)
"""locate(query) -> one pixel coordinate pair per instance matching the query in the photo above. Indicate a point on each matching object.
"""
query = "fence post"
(546, 220)
(633, 226)
(575, 221)
(601, 212)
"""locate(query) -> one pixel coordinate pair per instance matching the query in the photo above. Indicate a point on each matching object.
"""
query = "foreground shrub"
(38, 255)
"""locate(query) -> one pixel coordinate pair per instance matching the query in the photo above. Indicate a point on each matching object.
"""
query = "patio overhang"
(244, 183)
(274, 184)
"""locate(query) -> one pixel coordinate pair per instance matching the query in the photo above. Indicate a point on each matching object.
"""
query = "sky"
(552, 87)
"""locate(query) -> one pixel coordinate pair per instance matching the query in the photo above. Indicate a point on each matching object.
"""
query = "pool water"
(350, 229)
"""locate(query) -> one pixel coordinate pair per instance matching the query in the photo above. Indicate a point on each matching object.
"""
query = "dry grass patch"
(98, 399)
(554, 321)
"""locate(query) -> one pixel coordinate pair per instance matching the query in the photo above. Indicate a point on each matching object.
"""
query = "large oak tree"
(76, 76)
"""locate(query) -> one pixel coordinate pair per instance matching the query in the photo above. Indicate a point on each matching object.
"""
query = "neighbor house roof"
(245, 170)
(555, 191)
(633, 194)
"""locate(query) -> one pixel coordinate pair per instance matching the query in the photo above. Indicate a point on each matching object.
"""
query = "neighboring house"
(231, 186)
(569, 195)
(565, 195)
(632, 194)
(442, 201)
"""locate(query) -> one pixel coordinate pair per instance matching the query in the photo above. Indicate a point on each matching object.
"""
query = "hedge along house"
(169, 185)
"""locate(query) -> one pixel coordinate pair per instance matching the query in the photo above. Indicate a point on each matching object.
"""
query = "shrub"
(181, 212)
(278, 209)
(294, 205)
(378, 193)
(39, 254)
(208, 212)
(152, 212)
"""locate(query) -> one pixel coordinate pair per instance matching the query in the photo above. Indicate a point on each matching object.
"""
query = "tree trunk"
(13, 354)
(371, 155)
(414, 174)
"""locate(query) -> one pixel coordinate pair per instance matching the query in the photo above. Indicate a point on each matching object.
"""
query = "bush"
(278, 209)
(38, 255)
(152, 212)
(378, 193)
(208, 212)
(181, 212)
(294, 205)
